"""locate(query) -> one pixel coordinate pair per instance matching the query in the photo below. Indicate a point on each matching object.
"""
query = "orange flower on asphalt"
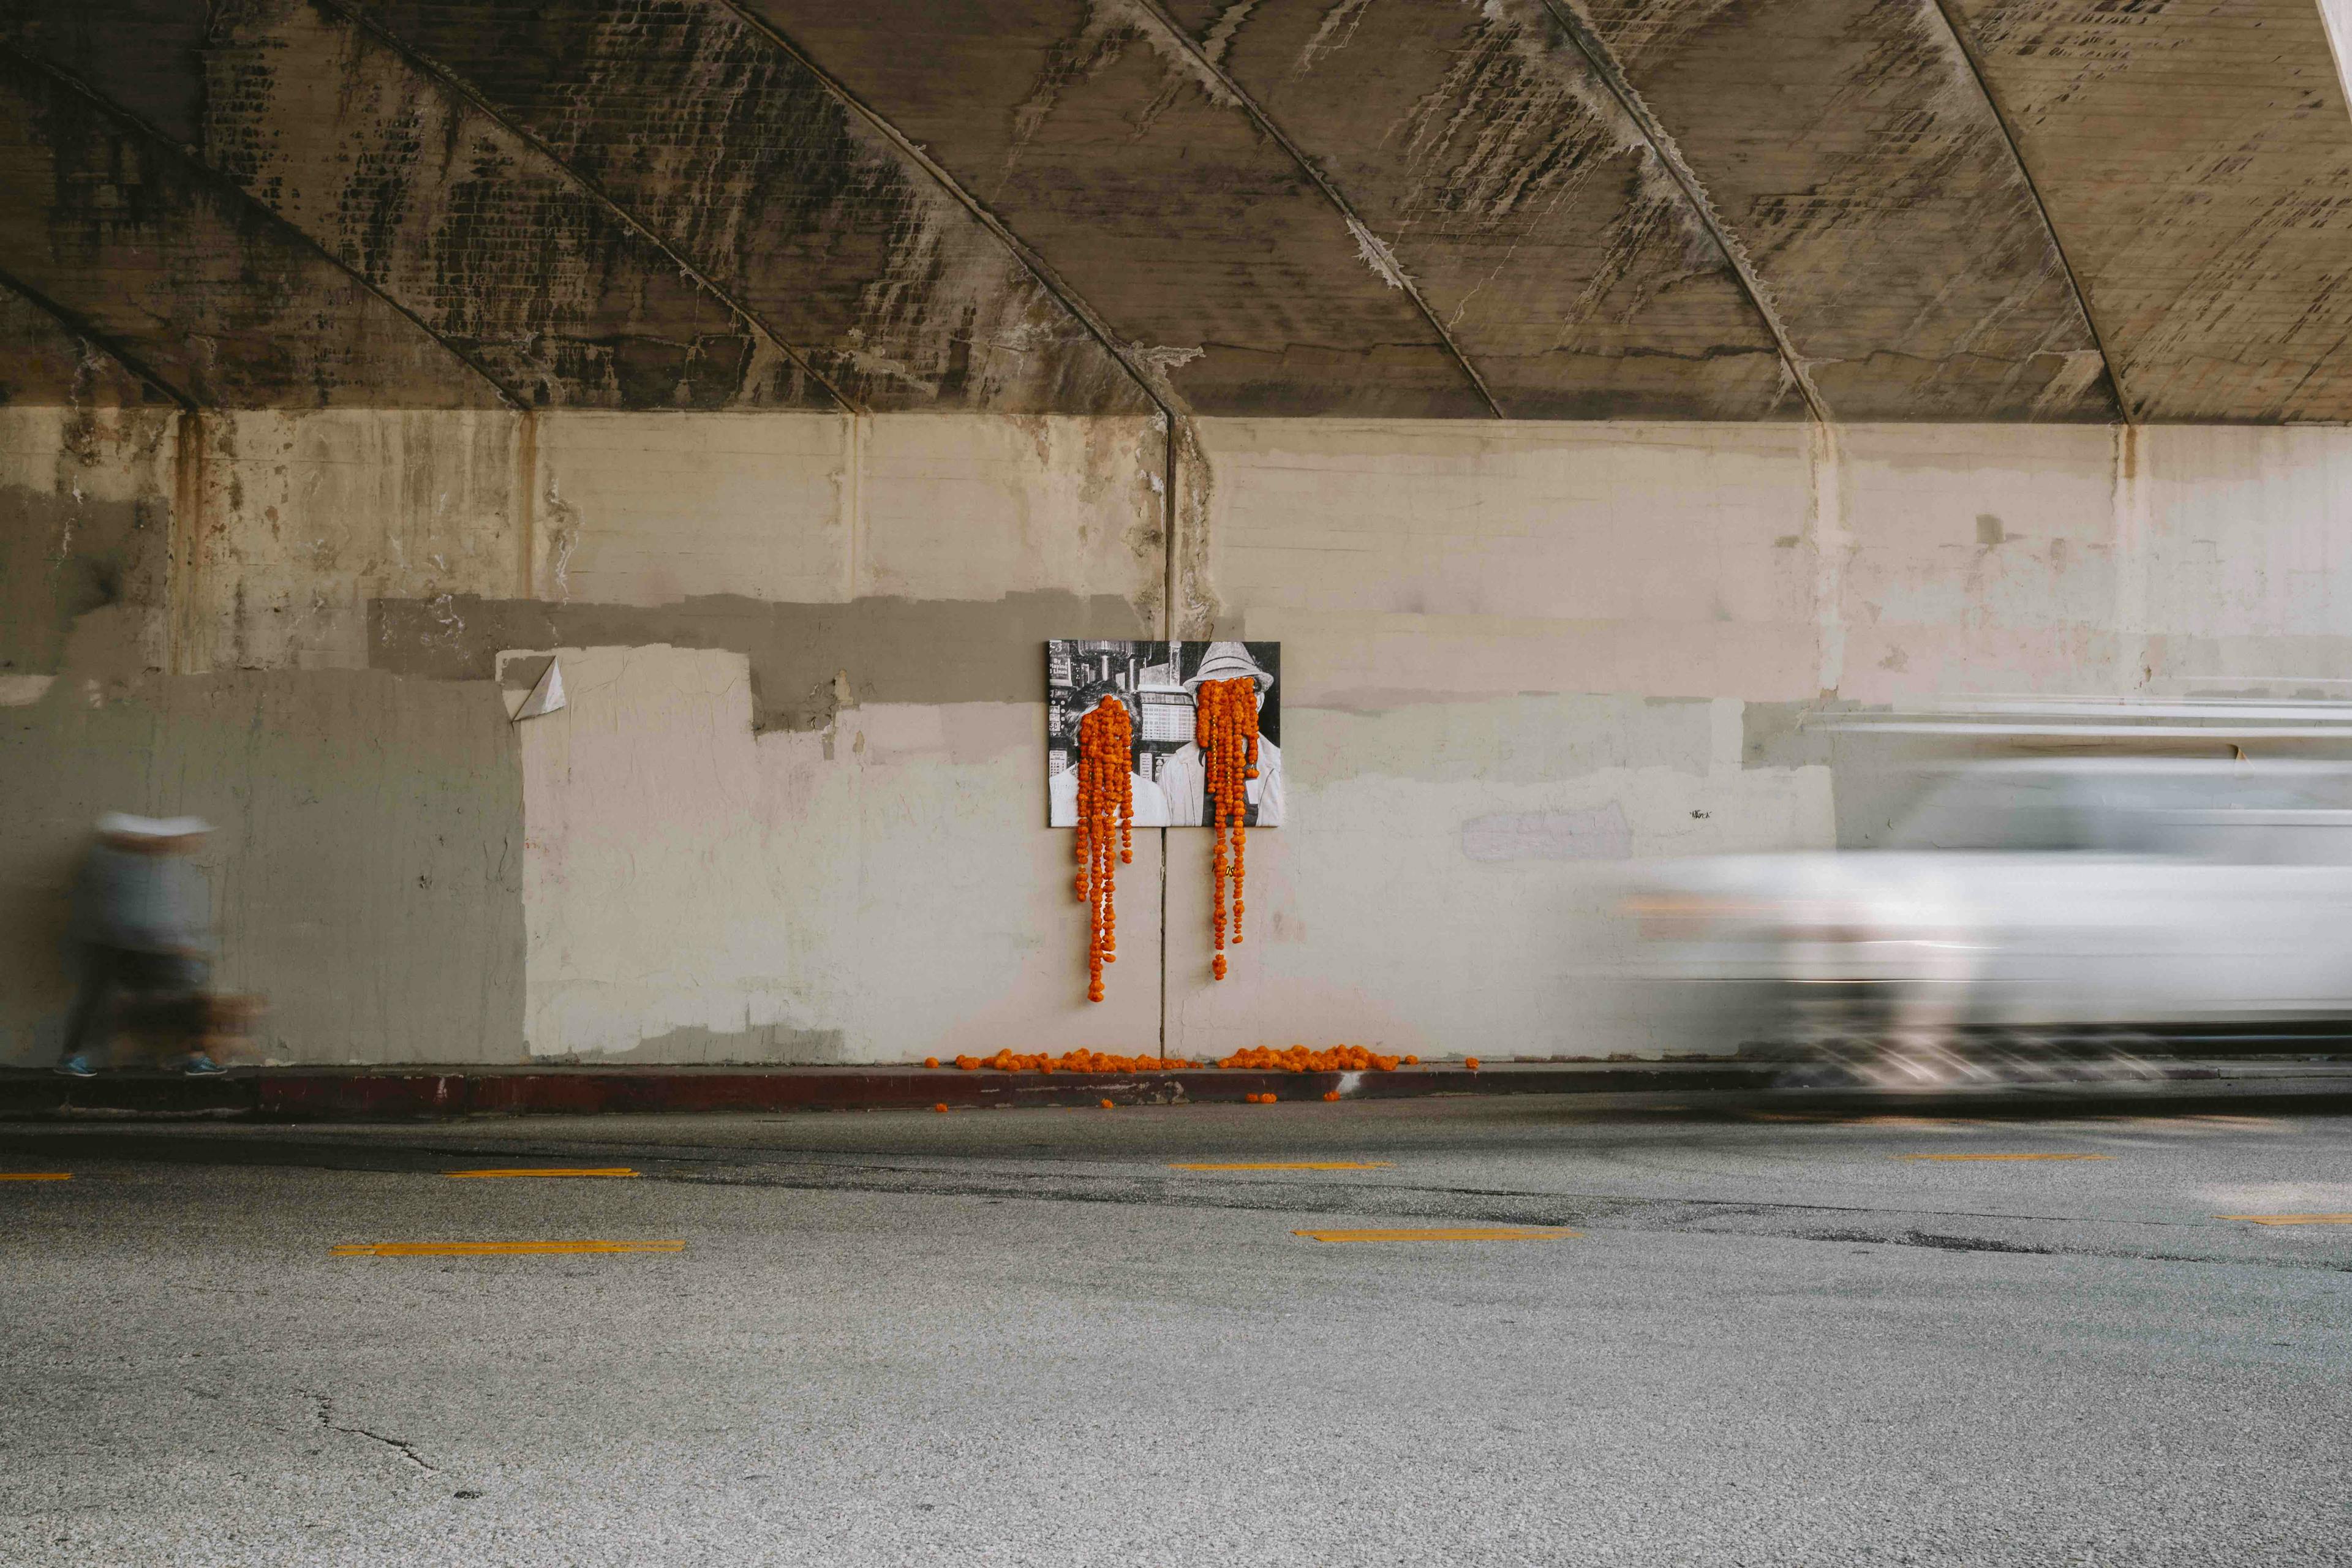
(1107, 1105)
(1301, 1058)
(1073, 1061)
(942, 1107)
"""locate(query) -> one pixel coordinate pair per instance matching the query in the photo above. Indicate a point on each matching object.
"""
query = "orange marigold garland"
(1224, 728)
(1105, 828)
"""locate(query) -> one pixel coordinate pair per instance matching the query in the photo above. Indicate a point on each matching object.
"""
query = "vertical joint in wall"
(1170, 512)
(853, 500)
(1187, 482)
(1832, 544)
(527, 503)
(2129, 505)
(183, 560)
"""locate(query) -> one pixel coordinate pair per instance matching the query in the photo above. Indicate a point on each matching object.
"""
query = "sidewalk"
(427, 1093)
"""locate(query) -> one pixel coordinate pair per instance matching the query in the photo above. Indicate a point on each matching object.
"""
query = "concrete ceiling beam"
(1377, 251)
(1098, 135)
(79, 330)
(1540, 221)
(1851, 160)
(726, 146)
(2196, 161)
(2073, 281)
(458, 87)
(1151, 380)
(119, 228)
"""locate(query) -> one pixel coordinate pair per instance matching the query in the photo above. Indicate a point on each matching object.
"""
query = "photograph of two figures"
(1160, 683)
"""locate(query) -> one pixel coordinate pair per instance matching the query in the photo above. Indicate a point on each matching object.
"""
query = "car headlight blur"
(1684, 916)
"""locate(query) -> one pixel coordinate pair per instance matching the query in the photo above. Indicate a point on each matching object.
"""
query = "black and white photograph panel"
(1159, 683)
(1179, 775)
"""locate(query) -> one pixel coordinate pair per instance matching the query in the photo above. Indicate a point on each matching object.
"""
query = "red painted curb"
(409, 1094)
(425, 1093)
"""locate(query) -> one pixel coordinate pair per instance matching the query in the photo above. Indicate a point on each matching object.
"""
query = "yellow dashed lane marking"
(482, 1249)
(2004, 1156)
(2290, 1218)
(36, 1175)
(602, 1171)
(1290, 1166)
(1459, 1233)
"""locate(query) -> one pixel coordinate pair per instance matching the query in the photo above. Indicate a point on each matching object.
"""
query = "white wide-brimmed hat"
(121, 824)
(1228, 661)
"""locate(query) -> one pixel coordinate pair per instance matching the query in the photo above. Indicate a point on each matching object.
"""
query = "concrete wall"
(794, 809)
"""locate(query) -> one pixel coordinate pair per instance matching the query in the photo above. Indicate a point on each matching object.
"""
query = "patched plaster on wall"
(883, 892)
(306, 517)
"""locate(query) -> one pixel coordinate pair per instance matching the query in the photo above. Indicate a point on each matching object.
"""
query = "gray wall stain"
(1599, 833)
(770, 1044)
(1500, 740)
(893, 649)
(62, 557)
(1779, 734)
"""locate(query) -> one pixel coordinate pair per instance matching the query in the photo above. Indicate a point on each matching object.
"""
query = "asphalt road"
(1027, 1337)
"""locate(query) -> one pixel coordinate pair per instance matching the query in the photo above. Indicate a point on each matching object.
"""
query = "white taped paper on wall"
(547, 696)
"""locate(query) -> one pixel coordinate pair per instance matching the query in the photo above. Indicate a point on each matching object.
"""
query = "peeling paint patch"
(1166, 357)
(1377, 255)
(1219, 36)
(1100, 42)
(1336, 32)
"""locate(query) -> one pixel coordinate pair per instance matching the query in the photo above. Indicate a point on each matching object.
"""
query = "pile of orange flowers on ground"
(1260, 1058)
(1298, 1058)
(1224, 727)
(1105, 828)
(1071, 1061)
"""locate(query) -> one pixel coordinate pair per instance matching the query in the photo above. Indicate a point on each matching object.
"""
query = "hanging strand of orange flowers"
(1105, 828)
(1224, 728)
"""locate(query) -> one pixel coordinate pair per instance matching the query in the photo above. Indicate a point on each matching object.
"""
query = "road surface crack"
(326, 1415)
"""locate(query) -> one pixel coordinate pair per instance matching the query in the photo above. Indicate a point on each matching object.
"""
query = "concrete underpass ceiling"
(1858, 209)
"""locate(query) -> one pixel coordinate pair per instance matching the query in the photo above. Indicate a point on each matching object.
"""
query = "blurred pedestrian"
(141, 915)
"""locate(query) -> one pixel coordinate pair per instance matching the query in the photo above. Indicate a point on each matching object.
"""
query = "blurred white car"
(2038, 899)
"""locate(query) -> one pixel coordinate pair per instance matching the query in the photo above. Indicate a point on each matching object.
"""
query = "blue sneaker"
(201, 1066)
(76, 1065)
